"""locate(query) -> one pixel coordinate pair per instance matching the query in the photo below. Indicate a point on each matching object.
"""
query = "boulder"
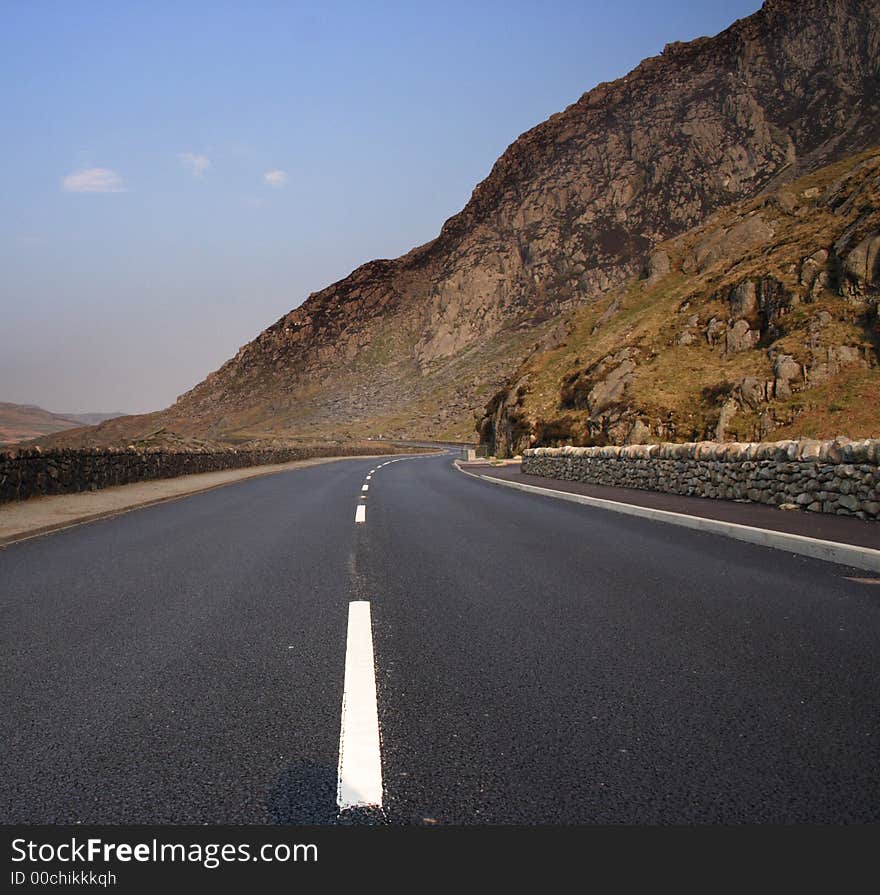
(714, 330)
(832, 360)
(786, 370)
(751, 391)
(658, 266)
(739, 337)
(609, 390)
(743, 299)
(639, 433)
(862, 264)
(813, 268)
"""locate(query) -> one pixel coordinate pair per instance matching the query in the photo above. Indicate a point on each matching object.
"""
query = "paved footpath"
(843, 529)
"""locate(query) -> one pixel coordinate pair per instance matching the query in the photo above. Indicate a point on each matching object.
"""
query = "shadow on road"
(306, 794)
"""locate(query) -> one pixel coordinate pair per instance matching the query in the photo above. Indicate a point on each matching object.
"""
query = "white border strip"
(360, 759)
(829, 551)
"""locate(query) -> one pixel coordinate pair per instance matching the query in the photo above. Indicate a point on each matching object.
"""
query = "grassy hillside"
(761, 323)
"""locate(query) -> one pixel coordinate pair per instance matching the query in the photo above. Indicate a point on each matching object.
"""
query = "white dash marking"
(360, 514)
(369, 477)
(360, 759)
(365, 487)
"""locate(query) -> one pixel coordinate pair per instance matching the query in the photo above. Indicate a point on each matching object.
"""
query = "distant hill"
(91, 419)
(20, 422)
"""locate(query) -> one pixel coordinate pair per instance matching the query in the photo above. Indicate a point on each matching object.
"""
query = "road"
(536, 661)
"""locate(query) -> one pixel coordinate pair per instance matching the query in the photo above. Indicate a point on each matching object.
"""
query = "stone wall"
(33, 472)
(840, 476)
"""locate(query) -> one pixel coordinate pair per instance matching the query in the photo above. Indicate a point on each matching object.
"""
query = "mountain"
(569, 214)
(19, 422)
(761, 323)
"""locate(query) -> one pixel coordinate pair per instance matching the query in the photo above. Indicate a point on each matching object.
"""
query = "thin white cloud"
(277, 179)
(197, 164)
(93, 180)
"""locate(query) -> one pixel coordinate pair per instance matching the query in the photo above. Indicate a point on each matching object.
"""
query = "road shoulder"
(41, 515)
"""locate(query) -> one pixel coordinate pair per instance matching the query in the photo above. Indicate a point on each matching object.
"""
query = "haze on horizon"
(178, 176)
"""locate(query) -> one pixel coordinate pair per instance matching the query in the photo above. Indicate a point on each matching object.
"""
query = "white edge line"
(829, 551)
(359, 781)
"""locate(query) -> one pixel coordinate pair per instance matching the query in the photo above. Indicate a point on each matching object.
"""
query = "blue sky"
(176, 176)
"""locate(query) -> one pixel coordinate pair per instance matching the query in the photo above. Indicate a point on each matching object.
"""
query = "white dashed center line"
(360, 514)
(365, 487)
(360, 760)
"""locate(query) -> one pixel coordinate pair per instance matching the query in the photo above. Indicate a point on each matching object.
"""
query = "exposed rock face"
(862, 264)
(572, 209)
(601, 385)
(786, 370)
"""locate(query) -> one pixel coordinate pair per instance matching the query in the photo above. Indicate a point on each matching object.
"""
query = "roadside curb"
(829, 551)
(7, 540)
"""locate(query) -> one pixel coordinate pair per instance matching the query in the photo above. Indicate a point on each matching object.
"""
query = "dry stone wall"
(839, 476)
(33, 472)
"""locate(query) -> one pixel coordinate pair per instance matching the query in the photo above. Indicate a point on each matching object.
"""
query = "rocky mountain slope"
(569, 213)
(761, 323)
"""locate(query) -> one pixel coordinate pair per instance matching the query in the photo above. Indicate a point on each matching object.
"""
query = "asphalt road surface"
(536, 661)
